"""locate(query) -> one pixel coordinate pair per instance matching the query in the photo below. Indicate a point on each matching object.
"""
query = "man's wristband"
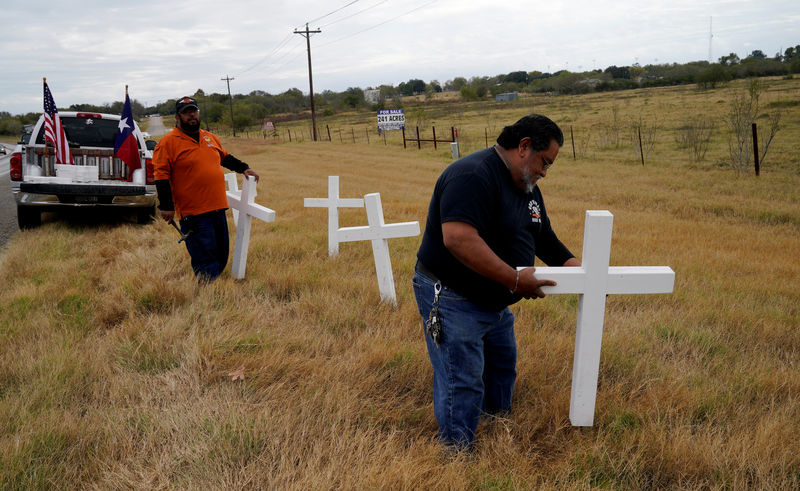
(516, 284)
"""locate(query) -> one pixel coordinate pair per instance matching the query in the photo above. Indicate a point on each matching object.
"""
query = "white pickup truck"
(97, 178)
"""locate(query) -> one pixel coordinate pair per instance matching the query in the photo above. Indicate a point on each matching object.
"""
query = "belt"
(424, 270)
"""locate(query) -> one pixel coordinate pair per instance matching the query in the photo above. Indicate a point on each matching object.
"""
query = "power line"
(293, 55)
(331, 13)
(356, 13)
(379, 24)
(274, 51)
(289, 36)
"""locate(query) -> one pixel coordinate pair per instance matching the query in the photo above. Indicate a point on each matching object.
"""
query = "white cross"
(333, 203)
(378, 232)
(233, 188)
(243, 202)
(593, 281)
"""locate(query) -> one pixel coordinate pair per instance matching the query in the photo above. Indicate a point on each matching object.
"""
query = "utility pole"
(230, 101)
(307, 34)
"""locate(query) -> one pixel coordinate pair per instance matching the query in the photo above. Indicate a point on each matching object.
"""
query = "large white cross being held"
(333, 202)
(593, 281)
(378, 232)
(243, 203)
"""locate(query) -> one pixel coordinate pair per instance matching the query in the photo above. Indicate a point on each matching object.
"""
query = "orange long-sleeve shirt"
(193, 170)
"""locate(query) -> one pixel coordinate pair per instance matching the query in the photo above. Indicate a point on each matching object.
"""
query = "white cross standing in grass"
(233, 188)
(333, 202)
(593, 280)
(378, 232)
(242, 202)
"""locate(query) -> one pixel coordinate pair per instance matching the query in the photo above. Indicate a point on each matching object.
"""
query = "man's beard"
(191, 127)
(528, 180)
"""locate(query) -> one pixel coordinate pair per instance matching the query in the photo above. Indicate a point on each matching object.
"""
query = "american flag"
(53, 131)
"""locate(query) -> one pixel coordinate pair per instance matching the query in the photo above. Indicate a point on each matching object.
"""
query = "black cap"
(185, 102)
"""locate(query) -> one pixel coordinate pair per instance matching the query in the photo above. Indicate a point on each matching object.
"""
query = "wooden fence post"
(404, 137)
(353, 134)
(755, 148)
(434, 138)
(572, 137)
(641, 152)
(419, 143)
(366, 131)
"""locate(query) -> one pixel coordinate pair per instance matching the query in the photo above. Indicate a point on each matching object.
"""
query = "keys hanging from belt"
(433, 325)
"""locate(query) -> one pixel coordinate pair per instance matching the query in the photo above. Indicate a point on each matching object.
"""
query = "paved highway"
(4, 159)
(156, 126)
(8, 208)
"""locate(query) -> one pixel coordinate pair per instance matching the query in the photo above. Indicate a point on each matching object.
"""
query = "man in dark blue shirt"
(486, 218)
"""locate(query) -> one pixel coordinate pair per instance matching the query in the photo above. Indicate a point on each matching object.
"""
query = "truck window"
(87, 132)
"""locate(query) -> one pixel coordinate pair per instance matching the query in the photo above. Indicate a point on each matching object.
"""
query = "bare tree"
(774, 126)
(582, 144)
(643, 136)
(743, 111)
(695, 136)
(609, 131)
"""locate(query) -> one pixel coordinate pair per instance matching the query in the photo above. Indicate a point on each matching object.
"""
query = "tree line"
(250, 109)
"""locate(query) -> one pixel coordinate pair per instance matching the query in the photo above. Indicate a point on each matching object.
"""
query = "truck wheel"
(145, 216)
(28, 218)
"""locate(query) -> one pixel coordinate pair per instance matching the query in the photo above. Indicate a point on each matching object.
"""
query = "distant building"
(508, 96)
(373, 96)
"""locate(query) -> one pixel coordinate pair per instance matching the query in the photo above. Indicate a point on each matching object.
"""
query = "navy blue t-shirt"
(478, 189)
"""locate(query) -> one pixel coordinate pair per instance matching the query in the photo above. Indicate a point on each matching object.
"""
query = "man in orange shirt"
(187, 166)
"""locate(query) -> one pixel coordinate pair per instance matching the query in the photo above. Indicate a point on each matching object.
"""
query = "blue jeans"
(474, 366)
(207, 243)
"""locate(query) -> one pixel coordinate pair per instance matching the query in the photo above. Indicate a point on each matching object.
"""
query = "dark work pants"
(207, 243)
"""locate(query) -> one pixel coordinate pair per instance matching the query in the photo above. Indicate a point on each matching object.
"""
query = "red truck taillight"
(15, 167)
(148, 171)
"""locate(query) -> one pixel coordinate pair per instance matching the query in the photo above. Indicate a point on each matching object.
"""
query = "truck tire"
(28, 218)
(145, 216)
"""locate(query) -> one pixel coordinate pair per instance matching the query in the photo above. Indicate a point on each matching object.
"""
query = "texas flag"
(125, 145)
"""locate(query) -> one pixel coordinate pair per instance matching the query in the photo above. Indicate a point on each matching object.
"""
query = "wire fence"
(468, 140)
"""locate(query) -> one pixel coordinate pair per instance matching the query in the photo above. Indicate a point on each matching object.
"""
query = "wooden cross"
(378, 232)
(593, 281)
(333, 203)
(242, 203)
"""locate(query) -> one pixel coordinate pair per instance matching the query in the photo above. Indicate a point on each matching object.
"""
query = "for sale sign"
(391, 119)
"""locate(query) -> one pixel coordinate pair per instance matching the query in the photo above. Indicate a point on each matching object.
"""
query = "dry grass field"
(117, 370)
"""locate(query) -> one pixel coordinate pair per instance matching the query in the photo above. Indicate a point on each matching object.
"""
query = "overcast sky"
(90, 49)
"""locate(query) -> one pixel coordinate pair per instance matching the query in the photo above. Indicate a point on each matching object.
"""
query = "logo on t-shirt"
(533, 210)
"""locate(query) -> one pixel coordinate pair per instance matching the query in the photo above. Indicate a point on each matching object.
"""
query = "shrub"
(467, 94)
